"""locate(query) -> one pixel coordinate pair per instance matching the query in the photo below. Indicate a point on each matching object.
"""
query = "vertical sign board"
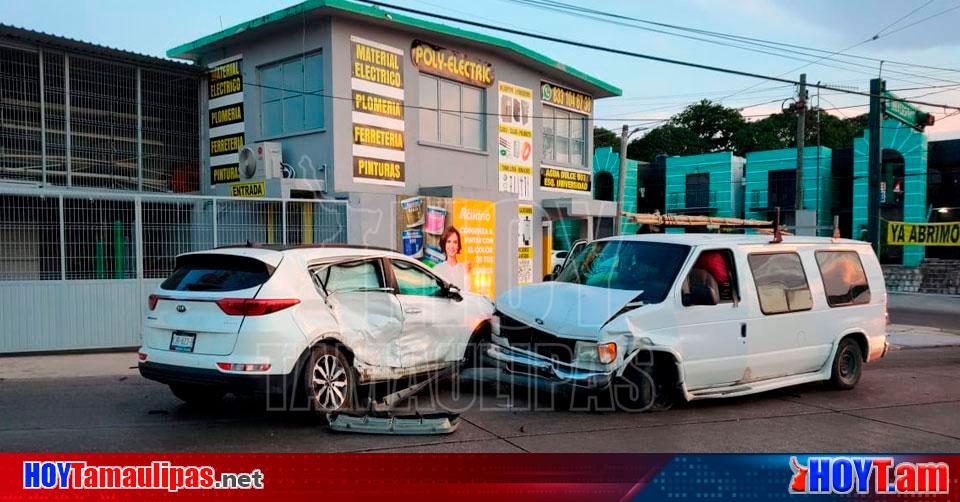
(558, 179)
(476, 220)
(378, 128)
(524, 244)
(515, 140)
(225, 118)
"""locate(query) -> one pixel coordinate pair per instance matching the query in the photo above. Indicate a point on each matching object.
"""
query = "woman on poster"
(452, 270)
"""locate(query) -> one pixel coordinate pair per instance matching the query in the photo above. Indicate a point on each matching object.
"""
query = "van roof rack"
(683, 220)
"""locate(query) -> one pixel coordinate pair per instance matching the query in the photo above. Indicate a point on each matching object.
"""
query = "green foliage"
(706, 127)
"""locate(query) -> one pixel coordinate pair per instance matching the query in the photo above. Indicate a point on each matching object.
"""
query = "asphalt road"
(908, 402)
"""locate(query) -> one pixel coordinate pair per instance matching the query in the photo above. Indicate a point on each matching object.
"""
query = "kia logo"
(181, 308)
(539, 321)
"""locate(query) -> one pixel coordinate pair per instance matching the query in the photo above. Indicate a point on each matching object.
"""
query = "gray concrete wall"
(372, 208)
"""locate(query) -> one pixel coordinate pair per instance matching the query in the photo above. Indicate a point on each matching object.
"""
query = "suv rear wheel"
(847, 365)
(331, 383)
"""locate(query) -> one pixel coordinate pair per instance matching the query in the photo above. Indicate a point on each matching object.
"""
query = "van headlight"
(603, 353)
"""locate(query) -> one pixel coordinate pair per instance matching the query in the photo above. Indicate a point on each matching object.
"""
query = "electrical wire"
(649, 57)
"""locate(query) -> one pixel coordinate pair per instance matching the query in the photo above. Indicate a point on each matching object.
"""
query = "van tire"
(847, 365)
(329, 380)
(198, 395)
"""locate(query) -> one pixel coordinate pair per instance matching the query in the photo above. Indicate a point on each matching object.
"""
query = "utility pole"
(875, 124)
(624, 136)
(801, 118)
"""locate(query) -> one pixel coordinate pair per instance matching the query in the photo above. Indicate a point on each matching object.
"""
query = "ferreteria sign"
(451, 64)
(923, 234)
(555, 95)
(379, 148)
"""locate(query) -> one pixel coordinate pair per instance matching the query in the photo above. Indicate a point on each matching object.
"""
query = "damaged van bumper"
(520, 367)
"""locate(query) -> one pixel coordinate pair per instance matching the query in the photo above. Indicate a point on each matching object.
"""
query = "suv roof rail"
(287, 247)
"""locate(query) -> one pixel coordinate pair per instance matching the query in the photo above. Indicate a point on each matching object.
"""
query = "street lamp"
(624, 139)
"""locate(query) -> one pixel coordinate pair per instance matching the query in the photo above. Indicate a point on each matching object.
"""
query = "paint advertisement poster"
(377, 99)
(225, 118)
(476, 220)
(515, 140)
(524, 244)
(424, 222)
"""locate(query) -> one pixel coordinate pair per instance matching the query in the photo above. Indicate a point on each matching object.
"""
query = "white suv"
(312, 321)
(696, 316)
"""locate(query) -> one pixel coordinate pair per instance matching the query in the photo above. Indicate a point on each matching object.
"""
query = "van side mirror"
(701, 294)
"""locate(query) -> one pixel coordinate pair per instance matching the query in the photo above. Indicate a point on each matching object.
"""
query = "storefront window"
(563, 136)
(291, 95)
(451, 113)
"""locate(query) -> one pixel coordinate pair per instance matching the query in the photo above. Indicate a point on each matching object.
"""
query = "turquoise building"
(770, 181)
(709, 184)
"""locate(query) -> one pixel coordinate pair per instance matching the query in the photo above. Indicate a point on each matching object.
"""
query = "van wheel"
(847, 365)
(331, 383)
(197, 395)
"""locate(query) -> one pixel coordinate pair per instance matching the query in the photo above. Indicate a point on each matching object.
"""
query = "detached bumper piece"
(411, 425)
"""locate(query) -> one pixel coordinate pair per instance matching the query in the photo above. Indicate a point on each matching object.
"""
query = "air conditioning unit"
(261, 161)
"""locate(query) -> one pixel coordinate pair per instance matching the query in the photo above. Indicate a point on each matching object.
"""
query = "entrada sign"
(451, 64)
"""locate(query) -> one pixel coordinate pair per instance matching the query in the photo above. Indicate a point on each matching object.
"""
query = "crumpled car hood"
(564, 309)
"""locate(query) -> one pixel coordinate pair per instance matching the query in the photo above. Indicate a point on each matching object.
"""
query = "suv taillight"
(250, 307)
(152, 301)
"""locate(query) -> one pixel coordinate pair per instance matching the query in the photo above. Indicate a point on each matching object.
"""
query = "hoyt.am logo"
(877, 475)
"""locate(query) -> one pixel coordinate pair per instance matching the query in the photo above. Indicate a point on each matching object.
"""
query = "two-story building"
(408, 120)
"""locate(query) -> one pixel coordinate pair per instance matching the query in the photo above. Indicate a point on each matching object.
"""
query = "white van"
(665, 316)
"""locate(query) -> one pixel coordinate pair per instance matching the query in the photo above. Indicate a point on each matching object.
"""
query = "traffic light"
(924, 119)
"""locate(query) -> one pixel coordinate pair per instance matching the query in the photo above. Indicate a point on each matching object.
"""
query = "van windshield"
(650, 267)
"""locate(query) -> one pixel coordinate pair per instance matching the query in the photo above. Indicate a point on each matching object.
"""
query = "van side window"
(781, 283)
(844, 280)
(715, 270)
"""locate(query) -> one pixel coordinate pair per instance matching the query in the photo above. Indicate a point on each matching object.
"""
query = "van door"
(711, 335)
(782, 333)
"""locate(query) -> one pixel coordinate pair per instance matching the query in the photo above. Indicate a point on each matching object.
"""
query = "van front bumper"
(516, 366)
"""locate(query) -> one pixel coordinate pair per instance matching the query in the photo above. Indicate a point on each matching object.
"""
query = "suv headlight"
(604, 353)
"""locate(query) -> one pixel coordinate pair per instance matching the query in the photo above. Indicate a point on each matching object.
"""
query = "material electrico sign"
(451, 64)
(378, 128)
(225, 126)
(923, 234)
(569, 99)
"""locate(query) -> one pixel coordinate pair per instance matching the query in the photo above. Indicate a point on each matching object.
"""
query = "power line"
(879, 33)
(649, 57)
(924, 19)
(580, 11)
(757, 41)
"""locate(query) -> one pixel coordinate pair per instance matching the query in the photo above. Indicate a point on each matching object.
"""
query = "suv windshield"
(631, 265)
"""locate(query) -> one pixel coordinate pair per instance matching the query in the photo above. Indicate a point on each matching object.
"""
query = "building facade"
(398, 115)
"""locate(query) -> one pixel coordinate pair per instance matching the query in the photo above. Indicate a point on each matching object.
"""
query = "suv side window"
(844, 280)
(358, 275)
(714, 269)
(411, 280)
(781, 282)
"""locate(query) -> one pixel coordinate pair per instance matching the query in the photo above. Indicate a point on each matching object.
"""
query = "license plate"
(182, 342)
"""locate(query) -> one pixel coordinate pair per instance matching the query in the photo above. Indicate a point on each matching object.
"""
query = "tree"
(715, 124)
(605, 137)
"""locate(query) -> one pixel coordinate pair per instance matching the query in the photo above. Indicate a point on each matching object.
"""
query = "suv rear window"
(844, 280)
(215, 272)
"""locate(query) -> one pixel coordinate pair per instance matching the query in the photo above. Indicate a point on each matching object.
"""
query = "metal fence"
(103, 252)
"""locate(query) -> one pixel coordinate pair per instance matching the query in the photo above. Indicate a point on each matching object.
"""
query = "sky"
(919, 32)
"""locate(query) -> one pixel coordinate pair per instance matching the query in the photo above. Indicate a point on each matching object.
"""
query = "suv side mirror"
(701, 294)
(453, 293)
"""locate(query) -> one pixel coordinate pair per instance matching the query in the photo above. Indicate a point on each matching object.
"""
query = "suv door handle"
(413, 310)
(743, 330)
